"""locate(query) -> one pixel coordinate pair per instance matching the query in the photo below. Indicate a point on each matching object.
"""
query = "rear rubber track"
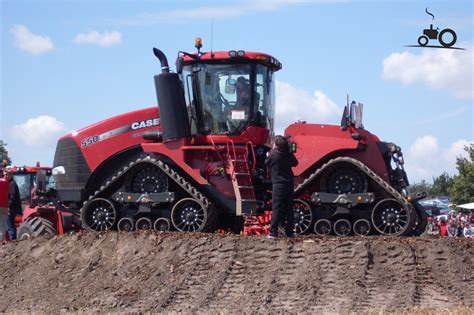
(371, 174)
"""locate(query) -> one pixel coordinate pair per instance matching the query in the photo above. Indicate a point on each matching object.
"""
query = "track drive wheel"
(389, 217)
(148, 178)
(342, 227)
(323, 227)
(345, 179)
(34, 227)
(361, 227)
(98, 215)
(190, 215)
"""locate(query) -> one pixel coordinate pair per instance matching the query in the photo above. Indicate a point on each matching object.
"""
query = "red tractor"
(40, 215)
(196, 162)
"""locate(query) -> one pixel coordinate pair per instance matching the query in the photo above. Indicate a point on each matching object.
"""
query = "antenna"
(212, 34)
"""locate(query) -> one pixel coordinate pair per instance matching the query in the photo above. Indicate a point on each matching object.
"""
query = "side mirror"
(179, 65)
(293, 147)
(230, 86)
(41, 180)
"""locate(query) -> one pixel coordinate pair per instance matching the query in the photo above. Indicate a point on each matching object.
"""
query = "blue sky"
(67, 64)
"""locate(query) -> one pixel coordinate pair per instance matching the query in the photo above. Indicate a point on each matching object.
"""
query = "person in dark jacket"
(280, 161)
(14, 206)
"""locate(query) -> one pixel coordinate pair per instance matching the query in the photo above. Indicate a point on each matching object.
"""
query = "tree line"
(459, 187)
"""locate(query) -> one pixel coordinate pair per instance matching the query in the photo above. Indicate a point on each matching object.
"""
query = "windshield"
(24, 182)
(226, 98)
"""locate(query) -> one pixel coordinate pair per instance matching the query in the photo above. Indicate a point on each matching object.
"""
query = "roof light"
(240, 53)
(198, 42)
(232, 53)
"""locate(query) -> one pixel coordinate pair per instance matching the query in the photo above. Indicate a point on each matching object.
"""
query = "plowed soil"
(210, 273)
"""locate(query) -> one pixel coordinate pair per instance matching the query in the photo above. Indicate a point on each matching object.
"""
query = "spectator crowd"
(456, 224)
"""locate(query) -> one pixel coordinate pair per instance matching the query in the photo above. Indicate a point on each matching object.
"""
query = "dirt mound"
(232, 274)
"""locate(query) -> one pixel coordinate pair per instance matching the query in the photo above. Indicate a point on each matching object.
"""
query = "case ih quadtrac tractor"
(195, 162)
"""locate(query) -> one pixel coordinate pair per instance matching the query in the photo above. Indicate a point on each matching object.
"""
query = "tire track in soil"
(193, 278)
(241, 281)
(290, 269)
(336, 277)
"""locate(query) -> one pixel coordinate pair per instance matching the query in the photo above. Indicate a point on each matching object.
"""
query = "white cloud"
(445, 69)
(426, 159)
(29, 42)
(294, 104)
(42, 131)
(105, 39)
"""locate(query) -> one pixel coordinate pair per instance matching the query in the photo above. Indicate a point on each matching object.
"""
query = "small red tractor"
(195, 162)
(40, 216)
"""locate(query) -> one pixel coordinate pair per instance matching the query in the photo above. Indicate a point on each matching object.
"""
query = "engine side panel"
(83, 151)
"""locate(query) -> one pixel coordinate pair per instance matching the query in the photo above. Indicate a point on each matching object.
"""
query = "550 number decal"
(89, 141)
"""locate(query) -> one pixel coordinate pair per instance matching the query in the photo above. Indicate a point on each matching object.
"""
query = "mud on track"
(232, 274)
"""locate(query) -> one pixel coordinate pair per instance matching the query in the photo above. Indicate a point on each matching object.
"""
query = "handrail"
(254, 159)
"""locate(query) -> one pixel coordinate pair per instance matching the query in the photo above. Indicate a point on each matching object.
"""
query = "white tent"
(469, 206)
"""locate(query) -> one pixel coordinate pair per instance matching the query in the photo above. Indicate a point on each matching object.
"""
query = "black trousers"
(282, 208)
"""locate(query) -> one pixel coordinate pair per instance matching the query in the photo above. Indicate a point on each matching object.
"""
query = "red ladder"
(241, 175)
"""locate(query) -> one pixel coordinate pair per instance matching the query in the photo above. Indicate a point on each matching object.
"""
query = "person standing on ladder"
(280, 161)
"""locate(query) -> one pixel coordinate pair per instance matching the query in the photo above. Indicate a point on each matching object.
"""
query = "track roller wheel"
(303, 216)
(389, 217)
(126, 225)
(148, 178)
(361, 227)
(98, 215)
(162, 224)
(34, 227)
(342, 227)
(189, 215)
(323, 227)
(144, 224)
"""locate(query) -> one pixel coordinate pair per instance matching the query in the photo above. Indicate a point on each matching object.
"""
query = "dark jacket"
(280, 164)
(14, 202)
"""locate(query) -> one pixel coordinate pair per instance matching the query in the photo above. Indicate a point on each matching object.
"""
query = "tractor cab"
(227, 92)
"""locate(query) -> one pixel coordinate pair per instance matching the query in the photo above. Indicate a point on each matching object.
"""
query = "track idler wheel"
(98, 215)
(361, 227)
(342, 227)
(389, 217)
(323, 227)
(189, 215)
(162, 224)
(126, 225)
(303, 216)
(144, 224)
(421, 219)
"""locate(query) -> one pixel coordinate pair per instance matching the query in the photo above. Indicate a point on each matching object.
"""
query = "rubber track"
(178, 179)
(371, 174)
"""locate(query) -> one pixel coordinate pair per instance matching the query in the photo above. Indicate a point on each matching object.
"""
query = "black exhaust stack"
(170, 95)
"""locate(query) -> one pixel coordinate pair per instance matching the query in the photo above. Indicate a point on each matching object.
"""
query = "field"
(209, 273)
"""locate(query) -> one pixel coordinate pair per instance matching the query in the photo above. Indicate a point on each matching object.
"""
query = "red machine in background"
(196, 162)
(40, 215)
